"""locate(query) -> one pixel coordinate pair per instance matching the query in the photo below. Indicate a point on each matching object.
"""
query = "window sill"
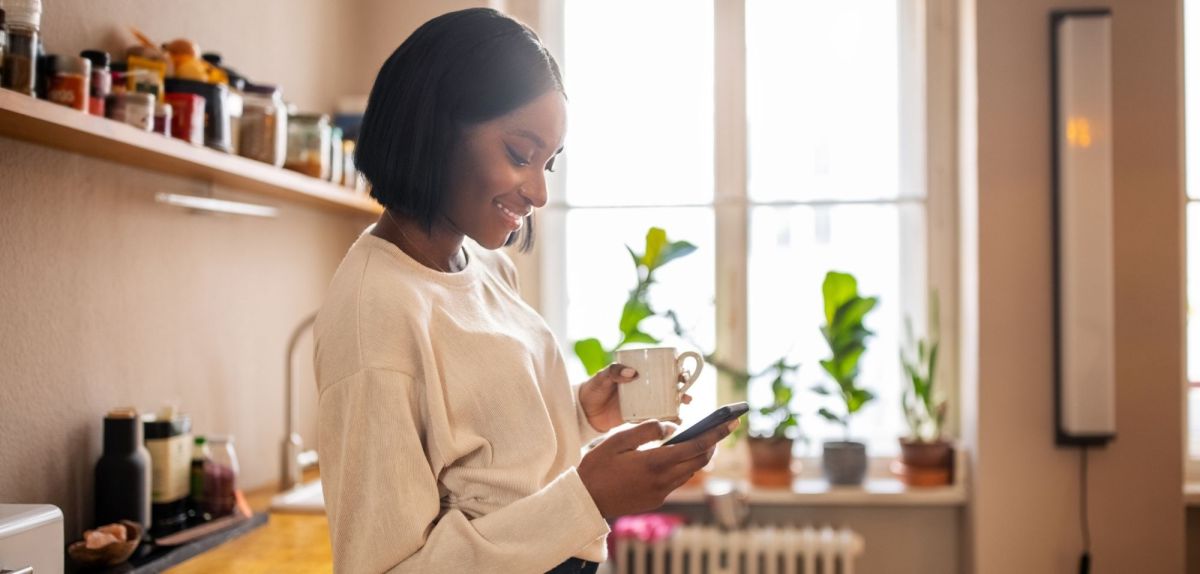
(876, 491)
(1191, 494)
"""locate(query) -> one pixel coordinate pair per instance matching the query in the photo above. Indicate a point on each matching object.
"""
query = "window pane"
(791, 249)
(823, 99)
(600, 275)
(640, 128)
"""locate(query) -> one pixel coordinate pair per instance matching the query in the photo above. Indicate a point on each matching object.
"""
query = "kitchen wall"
(110, 299)
(1024, 512)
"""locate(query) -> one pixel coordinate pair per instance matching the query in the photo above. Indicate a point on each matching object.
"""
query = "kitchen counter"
(294, 543)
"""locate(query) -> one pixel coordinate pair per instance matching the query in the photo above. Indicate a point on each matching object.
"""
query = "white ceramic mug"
(661, 381)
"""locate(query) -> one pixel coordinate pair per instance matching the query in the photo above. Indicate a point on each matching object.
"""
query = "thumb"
(630, 439)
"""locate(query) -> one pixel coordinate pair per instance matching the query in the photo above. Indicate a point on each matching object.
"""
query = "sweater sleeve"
(383, 501)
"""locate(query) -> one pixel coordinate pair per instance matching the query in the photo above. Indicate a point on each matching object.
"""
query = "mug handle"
(692, 376)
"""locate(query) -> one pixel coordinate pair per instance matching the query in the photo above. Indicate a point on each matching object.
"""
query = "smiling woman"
(450, 435)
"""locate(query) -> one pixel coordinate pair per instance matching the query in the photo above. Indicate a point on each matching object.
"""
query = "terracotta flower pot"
(925, 463)
(771, 461)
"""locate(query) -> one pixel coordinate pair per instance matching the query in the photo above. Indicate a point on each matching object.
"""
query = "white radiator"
(756, 550)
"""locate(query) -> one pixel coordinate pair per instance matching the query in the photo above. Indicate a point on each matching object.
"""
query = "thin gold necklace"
(410, 243)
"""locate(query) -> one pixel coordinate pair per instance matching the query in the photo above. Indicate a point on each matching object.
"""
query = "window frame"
(928, 54)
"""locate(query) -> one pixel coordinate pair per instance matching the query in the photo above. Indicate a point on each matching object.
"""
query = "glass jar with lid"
(220, 477)
(264, 125)
(308, 144)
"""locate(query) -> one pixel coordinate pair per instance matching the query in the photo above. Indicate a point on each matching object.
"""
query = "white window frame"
(929, 114)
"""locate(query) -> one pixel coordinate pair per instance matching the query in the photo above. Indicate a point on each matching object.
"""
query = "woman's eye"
(516, 158)
(550, 166)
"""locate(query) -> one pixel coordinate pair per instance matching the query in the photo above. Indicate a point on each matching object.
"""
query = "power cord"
(1085, 560)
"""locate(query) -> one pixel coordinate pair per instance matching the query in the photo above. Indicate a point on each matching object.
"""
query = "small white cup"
(657, 391)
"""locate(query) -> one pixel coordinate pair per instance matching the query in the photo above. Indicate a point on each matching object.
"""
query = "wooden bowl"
(110, 555)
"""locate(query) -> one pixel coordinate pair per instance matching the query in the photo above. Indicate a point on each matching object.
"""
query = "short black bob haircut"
(457, 70)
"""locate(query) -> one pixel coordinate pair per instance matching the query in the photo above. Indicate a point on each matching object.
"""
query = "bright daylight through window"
(824, 189)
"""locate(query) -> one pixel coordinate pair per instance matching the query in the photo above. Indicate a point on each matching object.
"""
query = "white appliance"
(31, 539)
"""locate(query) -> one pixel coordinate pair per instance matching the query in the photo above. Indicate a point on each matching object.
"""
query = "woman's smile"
(513, 218)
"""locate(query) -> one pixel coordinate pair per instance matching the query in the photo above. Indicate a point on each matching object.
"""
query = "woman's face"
(498, 171)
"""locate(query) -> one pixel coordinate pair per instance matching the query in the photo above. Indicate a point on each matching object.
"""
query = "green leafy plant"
(924, 411)
(658, 252)
(847, 337)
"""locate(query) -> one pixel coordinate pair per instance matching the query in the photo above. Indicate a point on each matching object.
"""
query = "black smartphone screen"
(718, 417)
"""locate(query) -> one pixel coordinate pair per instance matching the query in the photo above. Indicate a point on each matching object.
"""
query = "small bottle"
(22, 22)
(101, 84)
(201, 457)
(123, 471)
(220, 480)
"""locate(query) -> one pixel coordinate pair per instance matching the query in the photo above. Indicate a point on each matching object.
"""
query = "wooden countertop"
(294, 543)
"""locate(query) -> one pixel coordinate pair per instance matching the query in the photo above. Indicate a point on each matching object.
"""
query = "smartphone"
(718, 417)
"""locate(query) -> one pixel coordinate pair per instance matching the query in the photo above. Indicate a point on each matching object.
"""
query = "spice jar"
(349, 171)
(220, 477)
(335, 155)
(162, 118)
(101, 84)
(264, 129)
(133, 108)
(23, 20)
(187, 122)
(308, 145)
(70, 85)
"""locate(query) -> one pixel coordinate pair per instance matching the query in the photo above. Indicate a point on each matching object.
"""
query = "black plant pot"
(844, 462)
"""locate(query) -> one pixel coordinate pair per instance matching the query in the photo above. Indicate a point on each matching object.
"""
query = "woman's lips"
(511, 218)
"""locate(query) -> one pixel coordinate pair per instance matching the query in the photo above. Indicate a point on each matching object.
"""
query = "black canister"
(169, 440)
(123, 472)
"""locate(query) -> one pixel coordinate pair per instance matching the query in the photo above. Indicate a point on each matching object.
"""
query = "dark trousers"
(575, 566)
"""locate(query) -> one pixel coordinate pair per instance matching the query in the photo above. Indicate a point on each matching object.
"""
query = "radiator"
(755, 550)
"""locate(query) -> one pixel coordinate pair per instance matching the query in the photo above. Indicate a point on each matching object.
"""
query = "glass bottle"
(201, 458)
(220, 477)
(20, 59)
(264, 131)
(3, 45)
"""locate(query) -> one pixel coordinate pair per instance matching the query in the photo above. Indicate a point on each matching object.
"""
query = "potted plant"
(845, 461)
(925, 455)
(771, 453)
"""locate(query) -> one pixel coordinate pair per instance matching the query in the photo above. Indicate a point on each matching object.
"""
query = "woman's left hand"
(599, 398)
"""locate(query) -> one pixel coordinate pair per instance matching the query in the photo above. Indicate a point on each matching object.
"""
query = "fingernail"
(732, 425)
(628, 372)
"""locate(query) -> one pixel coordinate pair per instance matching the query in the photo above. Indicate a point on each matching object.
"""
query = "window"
(784, 139)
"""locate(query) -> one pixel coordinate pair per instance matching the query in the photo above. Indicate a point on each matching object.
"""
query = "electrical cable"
(1085, 559)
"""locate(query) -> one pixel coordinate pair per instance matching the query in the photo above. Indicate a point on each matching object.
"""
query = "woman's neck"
(439, 248)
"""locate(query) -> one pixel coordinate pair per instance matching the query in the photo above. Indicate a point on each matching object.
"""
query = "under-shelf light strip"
(216, 205)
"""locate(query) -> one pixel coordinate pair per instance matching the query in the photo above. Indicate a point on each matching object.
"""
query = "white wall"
(1024, 515)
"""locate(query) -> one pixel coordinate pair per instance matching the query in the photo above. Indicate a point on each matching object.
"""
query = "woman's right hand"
(625, 480)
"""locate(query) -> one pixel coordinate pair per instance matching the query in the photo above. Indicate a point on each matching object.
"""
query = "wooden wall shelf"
(52, 125)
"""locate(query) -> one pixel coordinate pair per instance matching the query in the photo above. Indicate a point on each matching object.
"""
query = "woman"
(450, 436)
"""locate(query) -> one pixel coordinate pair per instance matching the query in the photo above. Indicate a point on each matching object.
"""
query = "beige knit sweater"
(449, 432)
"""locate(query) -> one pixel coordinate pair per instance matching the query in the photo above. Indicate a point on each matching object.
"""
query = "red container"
(187, 119)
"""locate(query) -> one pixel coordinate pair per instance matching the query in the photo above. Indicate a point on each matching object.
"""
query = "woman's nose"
(535, 193)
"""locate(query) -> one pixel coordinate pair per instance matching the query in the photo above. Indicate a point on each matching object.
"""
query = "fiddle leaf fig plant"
(657, 252)
(924, 411)
(846, 336)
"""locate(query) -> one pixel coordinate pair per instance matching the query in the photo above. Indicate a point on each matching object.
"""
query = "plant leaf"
(672, 251)
(656, 239)
(637, 337)
(631, 316)
(837, 289)
(819, 390)
(593, 355)
(829, 416)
